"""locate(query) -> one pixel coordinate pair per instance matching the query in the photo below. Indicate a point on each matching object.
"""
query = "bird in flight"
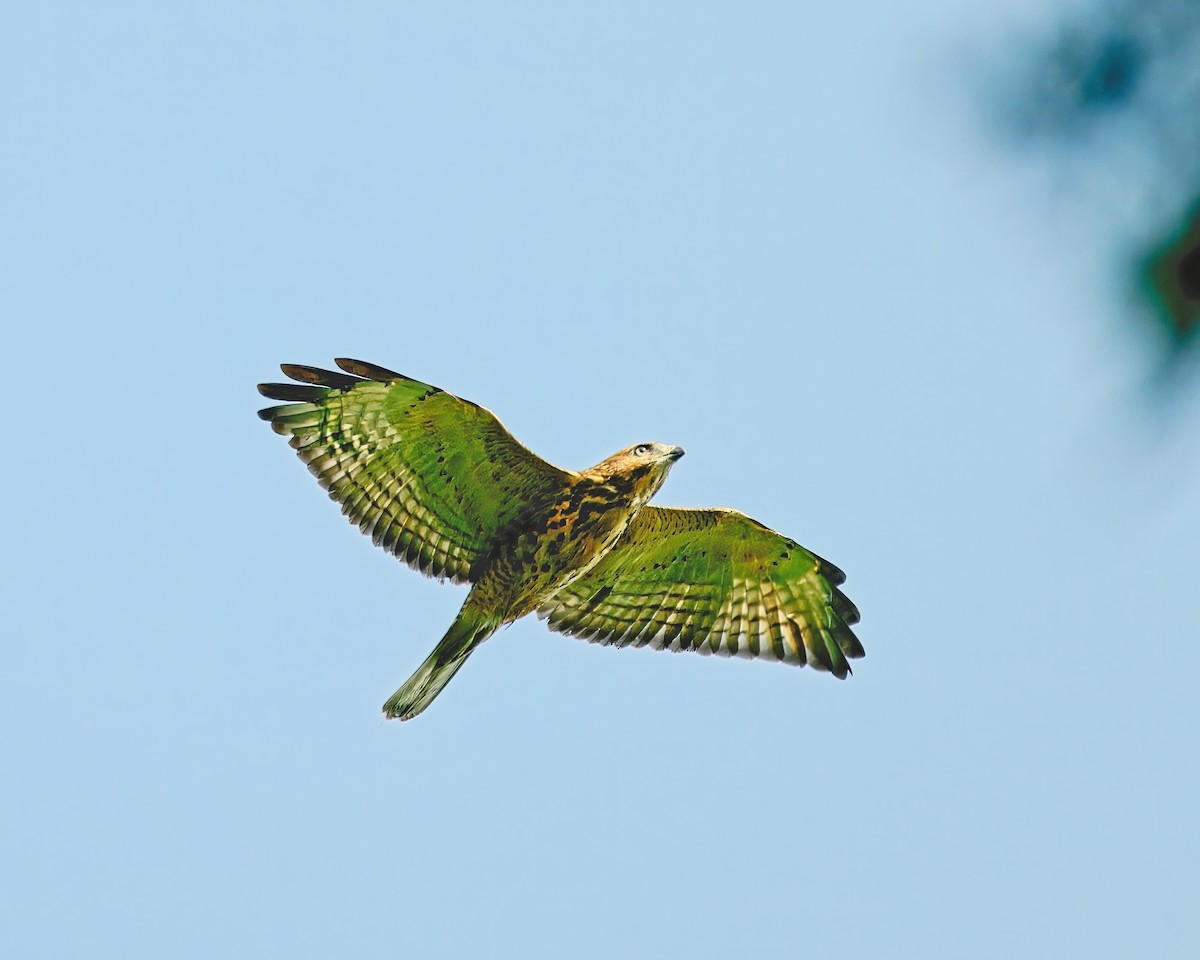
(440, 483)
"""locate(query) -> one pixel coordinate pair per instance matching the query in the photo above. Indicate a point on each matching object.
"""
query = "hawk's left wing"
(430, 477)
(713, 581)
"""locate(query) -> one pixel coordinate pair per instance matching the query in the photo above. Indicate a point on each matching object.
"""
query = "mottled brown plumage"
(439, 482)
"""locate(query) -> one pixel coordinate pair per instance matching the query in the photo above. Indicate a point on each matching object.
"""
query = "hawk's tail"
(467, 632)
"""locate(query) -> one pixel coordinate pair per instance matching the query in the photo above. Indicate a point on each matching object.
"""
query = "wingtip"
(295, 392)
(272, 413)
(298, 372)
(319, 376)
(368, 371)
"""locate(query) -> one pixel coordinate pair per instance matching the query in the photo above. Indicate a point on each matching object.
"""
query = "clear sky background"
(776, 234)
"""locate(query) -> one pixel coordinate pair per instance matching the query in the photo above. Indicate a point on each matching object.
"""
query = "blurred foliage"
(1116, 88)
(1171, 280)
(1082, 74)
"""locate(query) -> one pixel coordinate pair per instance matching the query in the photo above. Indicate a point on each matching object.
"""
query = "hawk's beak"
(676, 452)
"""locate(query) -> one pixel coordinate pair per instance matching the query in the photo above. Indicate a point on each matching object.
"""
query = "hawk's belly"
(554, 551)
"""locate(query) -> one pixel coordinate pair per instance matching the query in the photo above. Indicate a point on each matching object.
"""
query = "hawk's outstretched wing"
(713, 581)
(426, 475)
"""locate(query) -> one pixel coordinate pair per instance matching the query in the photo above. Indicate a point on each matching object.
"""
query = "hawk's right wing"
(713, 581)
(428, 476)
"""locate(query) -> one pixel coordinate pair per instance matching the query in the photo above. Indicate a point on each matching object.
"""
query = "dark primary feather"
(368, 371)
(324, 378)
(300, 392)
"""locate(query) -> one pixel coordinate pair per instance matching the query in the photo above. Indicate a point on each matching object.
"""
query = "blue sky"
(777, 236)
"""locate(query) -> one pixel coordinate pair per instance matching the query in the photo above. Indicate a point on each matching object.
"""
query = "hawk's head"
(641, 468)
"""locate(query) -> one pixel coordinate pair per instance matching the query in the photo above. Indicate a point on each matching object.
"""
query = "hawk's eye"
(641, 449)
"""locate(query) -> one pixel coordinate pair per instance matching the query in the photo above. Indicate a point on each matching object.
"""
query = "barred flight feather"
(713, 582)
(378, 442)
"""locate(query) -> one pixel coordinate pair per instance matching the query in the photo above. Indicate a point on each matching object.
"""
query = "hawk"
(440, 483)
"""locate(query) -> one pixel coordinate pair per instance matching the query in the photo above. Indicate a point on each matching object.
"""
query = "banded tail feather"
(466, 633)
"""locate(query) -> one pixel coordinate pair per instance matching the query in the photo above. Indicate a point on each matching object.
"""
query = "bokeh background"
(830, 250)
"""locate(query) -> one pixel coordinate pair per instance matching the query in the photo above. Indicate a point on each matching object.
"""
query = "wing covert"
(716, 582)
(428, 476)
